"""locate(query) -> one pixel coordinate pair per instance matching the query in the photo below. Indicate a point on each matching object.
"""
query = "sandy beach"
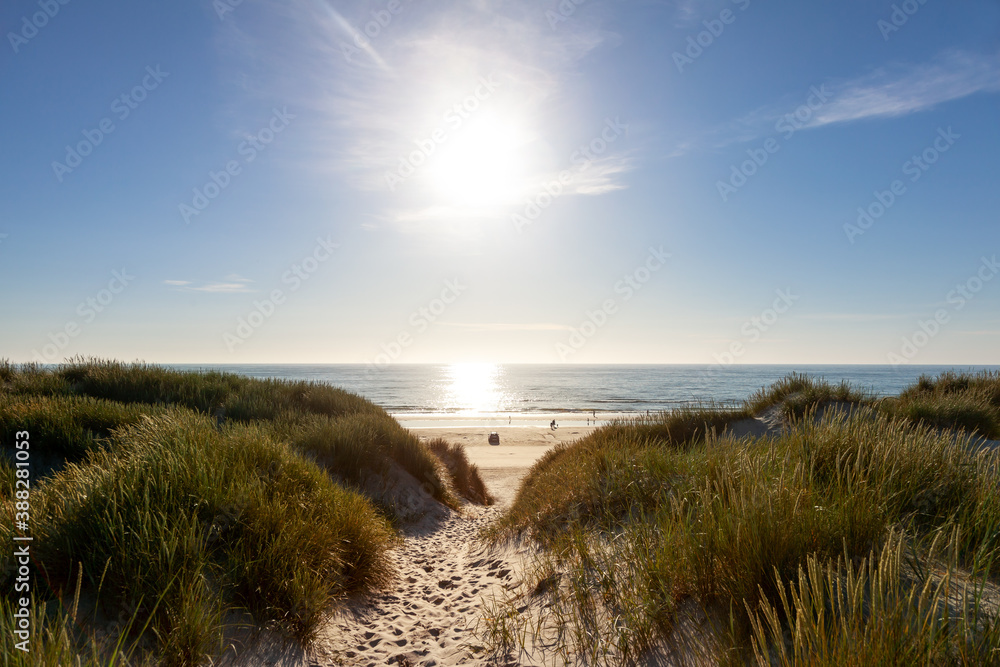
(503, 466)
(446, 576)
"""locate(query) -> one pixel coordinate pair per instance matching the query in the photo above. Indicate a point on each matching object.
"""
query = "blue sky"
(594, 182)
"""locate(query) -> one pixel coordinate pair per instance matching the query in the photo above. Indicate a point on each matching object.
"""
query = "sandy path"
(428, 617)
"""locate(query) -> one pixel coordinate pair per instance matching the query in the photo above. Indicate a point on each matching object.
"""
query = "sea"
(478, 391)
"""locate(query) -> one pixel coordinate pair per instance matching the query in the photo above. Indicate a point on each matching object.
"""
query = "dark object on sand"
(494, 438)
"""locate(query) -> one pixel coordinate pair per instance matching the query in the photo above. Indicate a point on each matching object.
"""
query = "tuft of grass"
(7, 478)
(624, 468)
(61, 635)
(964, 401)
(69, 426)
(354, 446)
(465, 477)
(237, 397)
(797, 393)
(31, 379)
(880, 612)
(58, 640)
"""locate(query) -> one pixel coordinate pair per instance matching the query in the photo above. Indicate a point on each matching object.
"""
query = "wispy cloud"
(226, 288)
(852, 317)
(891, 92)
(231, 284)
(688, 11)
(506, 326)
(887, 92)
(603, 176)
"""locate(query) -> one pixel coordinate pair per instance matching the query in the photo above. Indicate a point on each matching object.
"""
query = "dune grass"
(58, 640)
(179, 501)
(209, 520)
(236, 397)
(966, 401)
(465, 477)
(645, 521)
(7, 477)
(882, 611)
(798, 392)
(621, 469)
(355, 446)
(70, 426)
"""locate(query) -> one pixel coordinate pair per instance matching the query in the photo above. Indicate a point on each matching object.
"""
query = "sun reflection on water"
(474, 387)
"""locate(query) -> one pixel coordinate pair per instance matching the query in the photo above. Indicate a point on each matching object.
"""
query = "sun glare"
(474, 388)
(481, 165)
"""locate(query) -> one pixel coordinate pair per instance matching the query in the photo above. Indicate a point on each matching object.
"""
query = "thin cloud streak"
(853, 317)
(887, 92)
(234, 285)
(504, 326)
(358, 40)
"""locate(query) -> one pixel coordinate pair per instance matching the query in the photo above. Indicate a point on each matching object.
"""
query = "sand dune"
(445, 574)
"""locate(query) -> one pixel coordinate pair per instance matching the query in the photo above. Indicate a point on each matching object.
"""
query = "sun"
(482, 164)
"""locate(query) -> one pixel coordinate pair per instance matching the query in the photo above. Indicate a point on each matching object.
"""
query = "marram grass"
(176, 502)
(646, 525)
